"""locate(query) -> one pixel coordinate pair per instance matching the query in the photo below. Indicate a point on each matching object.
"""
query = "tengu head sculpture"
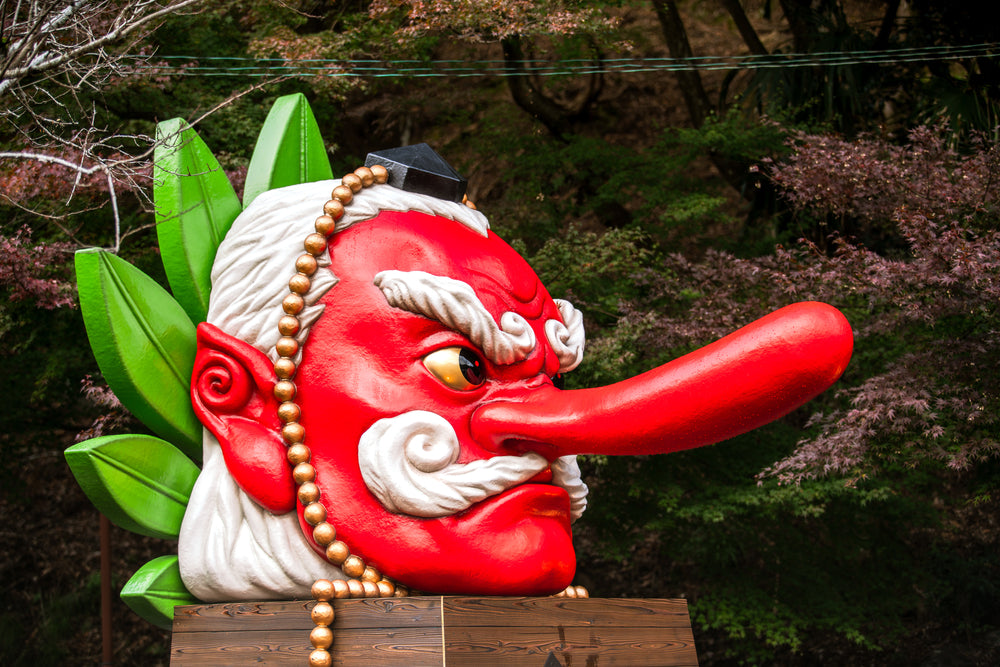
(393, 414)
(374, 384)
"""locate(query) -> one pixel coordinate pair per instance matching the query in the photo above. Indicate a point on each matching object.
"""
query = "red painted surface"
(232, 394)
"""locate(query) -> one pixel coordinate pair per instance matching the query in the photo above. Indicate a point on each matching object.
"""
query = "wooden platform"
(452, 631)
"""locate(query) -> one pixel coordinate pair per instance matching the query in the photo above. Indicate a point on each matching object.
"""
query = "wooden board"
(451, 631)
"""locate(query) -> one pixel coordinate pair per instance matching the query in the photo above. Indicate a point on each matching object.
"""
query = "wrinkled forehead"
(411, 241)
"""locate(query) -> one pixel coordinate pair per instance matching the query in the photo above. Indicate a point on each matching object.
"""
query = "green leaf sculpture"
(155, 590)
(289, 149)
(195, 206)
(140, 482)
(144, 339)
(144, 343)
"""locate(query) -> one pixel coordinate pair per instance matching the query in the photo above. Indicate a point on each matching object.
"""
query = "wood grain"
(408, 632)
(584, 612)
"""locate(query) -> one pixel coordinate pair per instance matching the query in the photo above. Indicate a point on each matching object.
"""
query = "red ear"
(232, 394)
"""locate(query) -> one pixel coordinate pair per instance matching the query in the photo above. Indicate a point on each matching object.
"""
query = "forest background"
(676, 170)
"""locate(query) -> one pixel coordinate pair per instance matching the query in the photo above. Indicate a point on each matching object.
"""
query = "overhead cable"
(179, 65)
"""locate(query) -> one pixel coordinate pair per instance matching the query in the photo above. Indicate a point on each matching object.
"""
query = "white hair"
(230, 547)
(257, 257)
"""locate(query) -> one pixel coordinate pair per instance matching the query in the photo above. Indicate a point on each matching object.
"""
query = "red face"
(364, 361)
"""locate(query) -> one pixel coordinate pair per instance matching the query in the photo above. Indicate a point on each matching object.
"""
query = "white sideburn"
(231, 548)
(408, 463)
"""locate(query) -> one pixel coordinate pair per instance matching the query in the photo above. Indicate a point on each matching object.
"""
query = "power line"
(366, 68)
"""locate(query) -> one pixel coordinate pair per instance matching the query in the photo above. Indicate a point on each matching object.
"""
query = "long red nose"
(745, 380)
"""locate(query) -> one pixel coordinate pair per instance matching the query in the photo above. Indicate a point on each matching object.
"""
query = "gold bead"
(401, 592)
(325, 224)
(320, 658)
(343, 194)
(286, 346)
(309, 494)
(299, 284)
(322, 613)
(321, 590)
(366, 176)
(289, 412)
(581, 592)
(314, 513)
(297, 454)
(293, 304)
(353, 566)
(371, 574)
(284, 368)
(306, 264)
(324, 533)
(337, 552)
(333, 210)
(321, 637)
(357, 590)
(284, 390)
(340, 589)
(385, 588)
(303, 473)
(353, 181)
(380, 173)
(293, 433)
(370, 589)
(471, 205)
(289, 325)
(315, 244)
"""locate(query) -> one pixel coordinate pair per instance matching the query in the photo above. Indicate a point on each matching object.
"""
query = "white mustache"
(408, 463)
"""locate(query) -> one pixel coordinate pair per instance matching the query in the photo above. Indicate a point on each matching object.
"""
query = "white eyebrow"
(454, 304)
(567, 338)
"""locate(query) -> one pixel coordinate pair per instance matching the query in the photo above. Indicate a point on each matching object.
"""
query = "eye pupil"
(471, 367)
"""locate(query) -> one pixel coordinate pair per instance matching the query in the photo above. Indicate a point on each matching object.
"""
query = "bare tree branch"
(91, 151)
(46, 35)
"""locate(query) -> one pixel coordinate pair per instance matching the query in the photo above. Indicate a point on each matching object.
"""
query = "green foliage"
(730, 135)
(769, 567)
(592, 269)
(658, 189)
(26, 641)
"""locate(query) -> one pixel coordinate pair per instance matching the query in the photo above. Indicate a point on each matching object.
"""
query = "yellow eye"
(457, 367)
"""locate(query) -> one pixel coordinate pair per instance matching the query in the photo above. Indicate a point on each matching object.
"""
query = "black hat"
(419, 169)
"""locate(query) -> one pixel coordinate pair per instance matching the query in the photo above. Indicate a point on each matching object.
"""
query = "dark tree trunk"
(747, 32)
(888, 24)
(528, 94)
(693, 90)
(676, 38)
(799, 16)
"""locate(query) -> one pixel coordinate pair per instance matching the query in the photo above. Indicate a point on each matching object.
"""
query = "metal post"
(106, 653)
